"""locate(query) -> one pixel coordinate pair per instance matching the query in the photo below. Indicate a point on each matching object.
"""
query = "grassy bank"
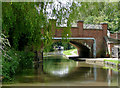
(113, 61)
(70, 52)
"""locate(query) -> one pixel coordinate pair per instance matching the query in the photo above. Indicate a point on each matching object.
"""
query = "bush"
(26, 60)
(15, 61)
(10, 64)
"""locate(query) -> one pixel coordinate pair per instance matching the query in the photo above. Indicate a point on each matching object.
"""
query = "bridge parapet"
(81, 30)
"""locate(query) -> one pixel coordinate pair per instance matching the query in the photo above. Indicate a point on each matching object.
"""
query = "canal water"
(57, 70)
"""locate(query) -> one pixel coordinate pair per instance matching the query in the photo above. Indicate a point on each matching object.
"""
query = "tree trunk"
(38, 56)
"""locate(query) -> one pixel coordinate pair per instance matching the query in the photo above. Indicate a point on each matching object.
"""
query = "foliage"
(20, 24)
(13, 61)
(114, 61)
(26, 23)
(64, 44)
(119, 16)
(16, 62)
(25, 60)
(97, 12)
(10, 64)
(9, 60)
(67, 46)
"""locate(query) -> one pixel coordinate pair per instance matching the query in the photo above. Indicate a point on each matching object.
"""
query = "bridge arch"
(83, 51)
(82, 31)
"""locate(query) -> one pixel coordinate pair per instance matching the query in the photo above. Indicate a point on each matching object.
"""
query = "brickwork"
(119, 36)
(115, 35)
(98, 34)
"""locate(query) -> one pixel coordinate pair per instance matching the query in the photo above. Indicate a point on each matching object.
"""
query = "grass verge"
(70, 52)
(114, 61)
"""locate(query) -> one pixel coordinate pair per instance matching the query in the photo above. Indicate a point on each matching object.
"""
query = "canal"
(57, 70)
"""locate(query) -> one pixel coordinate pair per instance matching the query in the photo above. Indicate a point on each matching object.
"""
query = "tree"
(97, 12)
(26, 23)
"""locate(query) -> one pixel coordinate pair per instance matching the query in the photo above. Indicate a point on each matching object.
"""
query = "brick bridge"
(89, 41)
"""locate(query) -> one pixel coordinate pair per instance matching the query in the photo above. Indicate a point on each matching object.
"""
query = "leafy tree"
(20, 24)
(97, 12)
(26, 24)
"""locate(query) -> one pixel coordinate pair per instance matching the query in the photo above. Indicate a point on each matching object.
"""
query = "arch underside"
(83, 51)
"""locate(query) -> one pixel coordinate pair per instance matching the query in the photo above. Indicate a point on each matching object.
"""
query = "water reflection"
(58, 67)
(57, 70)
(56, 52)
(109, 76)
(112, 77)
(61, 72)
(95, 72)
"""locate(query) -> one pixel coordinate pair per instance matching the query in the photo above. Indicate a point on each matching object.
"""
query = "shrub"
(15, 61)
(25, 60)
(10, 64)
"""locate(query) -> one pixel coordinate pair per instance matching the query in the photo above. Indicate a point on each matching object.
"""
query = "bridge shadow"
(83, 51)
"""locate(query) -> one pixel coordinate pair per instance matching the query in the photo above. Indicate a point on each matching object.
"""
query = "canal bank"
(112, 63)
(106, 62)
